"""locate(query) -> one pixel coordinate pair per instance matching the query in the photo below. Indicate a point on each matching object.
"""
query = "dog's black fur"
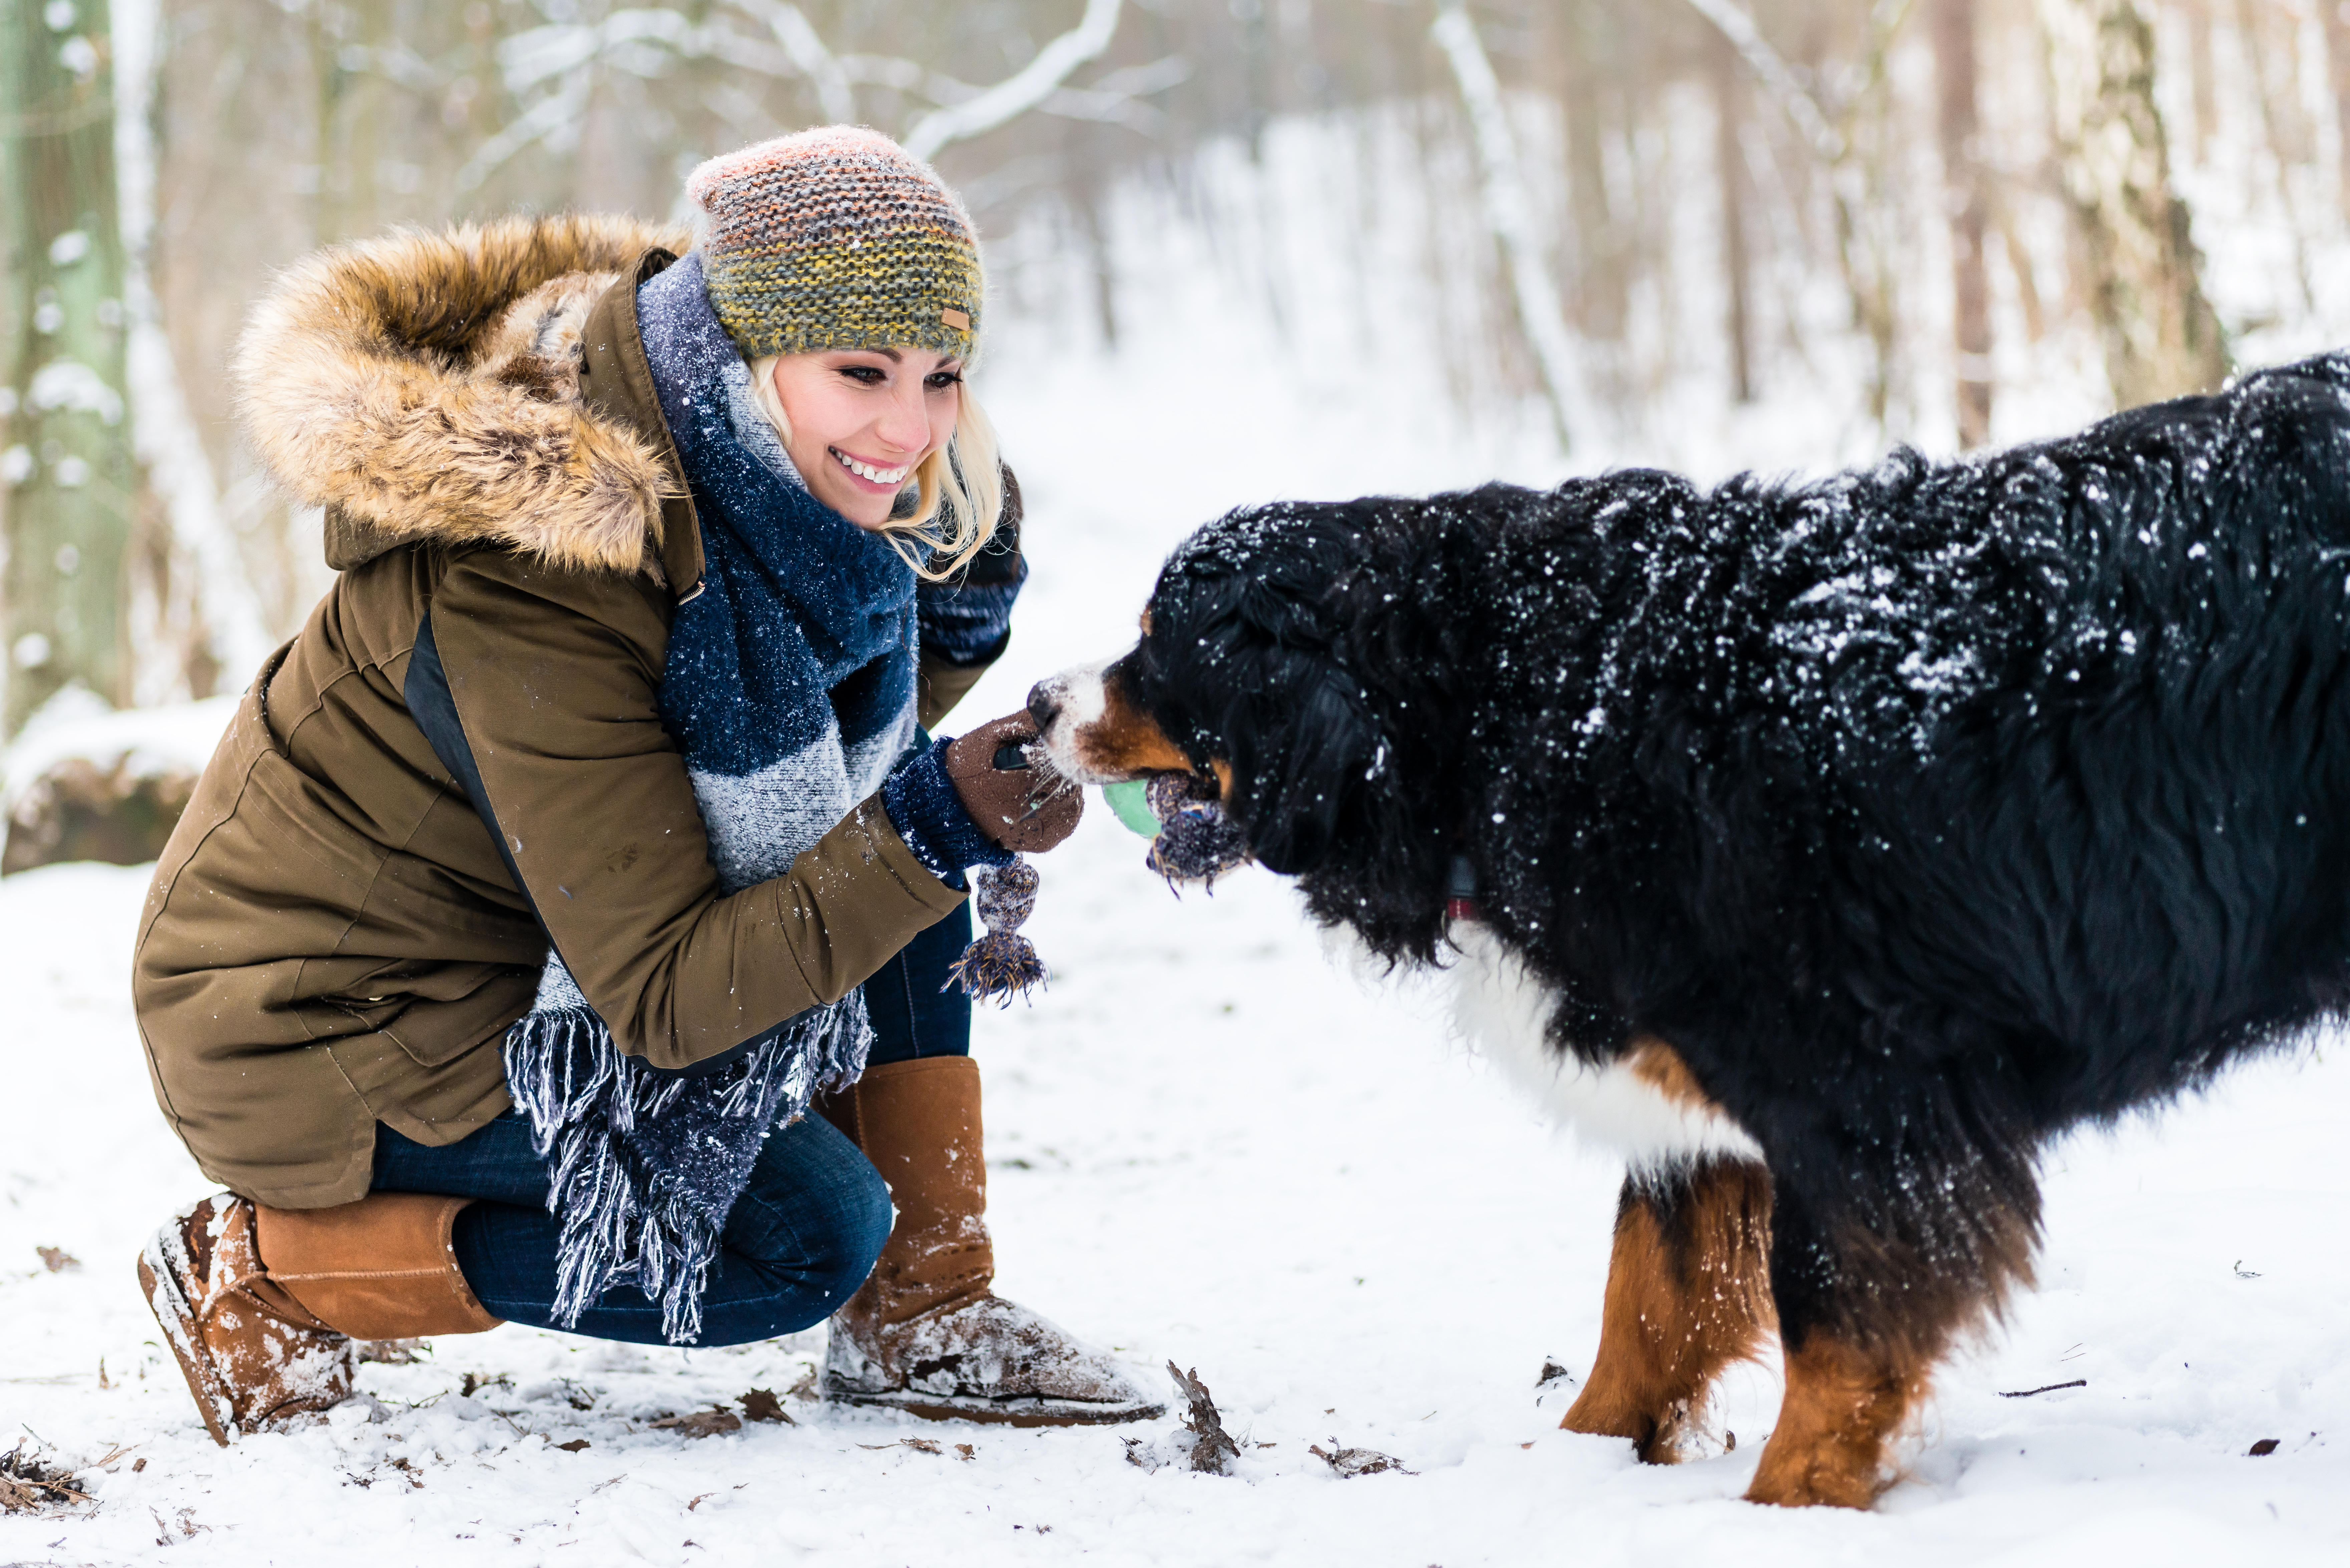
(1926, 811)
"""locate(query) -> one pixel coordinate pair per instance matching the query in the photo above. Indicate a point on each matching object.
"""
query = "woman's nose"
(906, 424)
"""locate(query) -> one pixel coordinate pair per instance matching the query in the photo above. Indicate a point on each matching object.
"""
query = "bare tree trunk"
(70, 483)
(2162, 338)
(2203, 92)
(2281, 121)
(1952, 23)
(1737, 267)
(2020, 267)
(1509, 209)
(1852, 146)
(208, 619)
(1602, 297)
(2336, 16)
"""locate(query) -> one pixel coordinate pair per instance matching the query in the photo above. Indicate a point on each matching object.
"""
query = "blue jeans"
(915, 1012)
(801, 1239)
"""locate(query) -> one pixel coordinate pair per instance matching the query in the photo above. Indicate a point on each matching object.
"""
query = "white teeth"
(867, 470)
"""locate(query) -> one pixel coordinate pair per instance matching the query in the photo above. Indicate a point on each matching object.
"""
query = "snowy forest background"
(1675, 231)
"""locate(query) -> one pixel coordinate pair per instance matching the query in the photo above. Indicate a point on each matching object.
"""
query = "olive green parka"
(332, 938)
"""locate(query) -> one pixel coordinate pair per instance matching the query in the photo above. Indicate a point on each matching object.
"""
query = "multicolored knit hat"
(836, 238)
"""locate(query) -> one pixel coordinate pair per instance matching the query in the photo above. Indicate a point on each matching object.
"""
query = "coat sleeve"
(966, 623)
(553, 675)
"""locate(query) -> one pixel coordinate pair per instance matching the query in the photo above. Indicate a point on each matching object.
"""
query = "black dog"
(1876, 829)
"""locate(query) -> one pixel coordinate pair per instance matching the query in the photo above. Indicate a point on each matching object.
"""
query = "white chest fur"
(1502, 1011)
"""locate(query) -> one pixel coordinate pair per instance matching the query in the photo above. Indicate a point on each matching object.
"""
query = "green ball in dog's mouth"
(1129, 803)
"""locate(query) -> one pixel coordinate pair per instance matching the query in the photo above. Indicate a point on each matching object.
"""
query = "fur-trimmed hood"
(426, 386)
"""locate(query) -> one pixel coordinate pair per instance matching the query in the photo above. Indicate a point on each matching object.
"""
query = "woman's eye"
(864, 375)
(939, 381)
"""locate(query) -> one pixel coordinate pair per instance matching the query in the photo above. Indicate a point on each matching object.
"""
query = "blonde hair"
(961, 485)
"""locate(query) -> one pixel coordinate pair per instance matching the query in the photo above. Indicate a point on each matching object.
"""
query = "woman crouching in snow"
(585, 837)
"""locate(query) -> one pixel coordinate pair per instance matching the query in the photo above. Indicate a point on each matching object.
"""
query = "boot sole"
(1031, 1411)
(176, 1315)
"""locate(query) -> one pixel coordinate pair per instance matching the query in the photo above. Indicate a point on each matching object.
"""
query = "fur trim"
(428, 384)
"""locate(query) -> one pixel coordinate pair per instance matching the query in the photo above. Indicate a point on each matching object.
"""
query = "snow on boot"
(251, 1355)
(925, 1334)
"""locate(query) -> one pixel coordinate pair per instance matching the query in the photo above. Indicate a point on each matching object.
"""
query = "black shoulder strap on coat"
(434, 708)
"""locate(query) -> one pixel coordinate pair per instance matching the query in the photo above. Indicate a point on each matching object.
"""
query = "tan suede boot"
(925, 1334)
(251, 1353)
(262, 1342)
(382, 1268)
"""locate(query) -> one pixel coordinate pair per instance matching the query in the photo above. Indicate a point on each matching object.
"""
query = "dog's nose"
(1044, 703)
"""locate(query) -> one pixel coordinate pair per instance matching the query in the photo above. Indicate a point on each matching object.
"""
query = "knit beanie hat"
(836, 238)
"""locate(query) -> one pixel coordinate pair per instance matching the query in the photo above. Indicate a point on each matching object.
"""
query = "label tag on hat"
(955, 318)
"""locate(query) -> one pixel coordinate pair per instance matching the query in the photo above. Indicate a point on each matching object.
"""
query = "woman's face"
(862, 419)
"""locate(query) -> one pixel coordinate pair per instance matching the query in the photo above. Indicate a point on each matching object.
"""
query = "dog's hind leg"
(1845, 1400)
(1688, 1294)
(1863, 1318)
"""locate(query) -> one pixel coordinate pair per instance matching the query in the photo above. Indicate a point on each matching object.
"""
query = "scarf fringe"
(624, 1222)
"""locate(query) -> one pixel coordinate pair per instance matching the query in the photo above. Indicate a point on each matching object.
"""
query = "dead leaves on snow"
(701, 1423)
(1352, 1463)
(28, 1486)
(924, 1446)
(762, 1405)
(758, 1405)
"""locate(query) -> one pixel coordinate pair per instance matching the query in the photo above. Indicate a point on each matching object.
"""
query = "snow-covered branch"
(1116, 99)
(1824, 125)
(1778, 79)
(556, 61)
(808, 52)
(551, 114)
(1024, 89)
(1509, 206)
(640, 39)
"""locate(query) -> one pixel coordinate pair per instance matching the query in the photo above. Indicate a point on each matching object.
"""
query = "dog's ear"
(1300, 768)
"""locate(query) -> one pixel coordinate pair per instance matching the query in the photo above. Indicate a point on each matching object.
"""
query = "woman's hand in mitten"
(1027, 807)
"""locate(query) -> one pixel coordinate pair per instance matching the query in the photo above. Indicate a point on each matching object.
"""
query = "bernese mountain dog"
(1829, 846)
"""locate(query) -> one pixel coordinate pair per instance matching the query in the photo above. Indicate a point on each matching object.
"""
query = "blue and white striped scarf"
(789, 689)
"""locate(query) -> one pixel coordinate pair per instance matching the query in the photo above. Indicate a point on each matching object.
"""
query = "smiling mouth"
(870, 473)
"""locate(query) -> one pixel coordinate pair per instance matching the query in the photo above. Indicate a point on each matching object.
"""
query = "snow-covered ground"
(1211, 1144)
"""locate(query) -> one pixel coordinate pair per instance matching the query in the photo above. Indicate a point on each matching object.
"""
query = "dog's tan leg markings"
(1688, 1294)
(1842, 1404)
(1850, 1387)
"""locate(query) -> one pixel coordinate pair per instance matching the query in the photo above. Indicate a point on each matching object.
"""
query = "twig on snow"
(2045, 1388)
(1352, 1463)
(1212, 1448)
